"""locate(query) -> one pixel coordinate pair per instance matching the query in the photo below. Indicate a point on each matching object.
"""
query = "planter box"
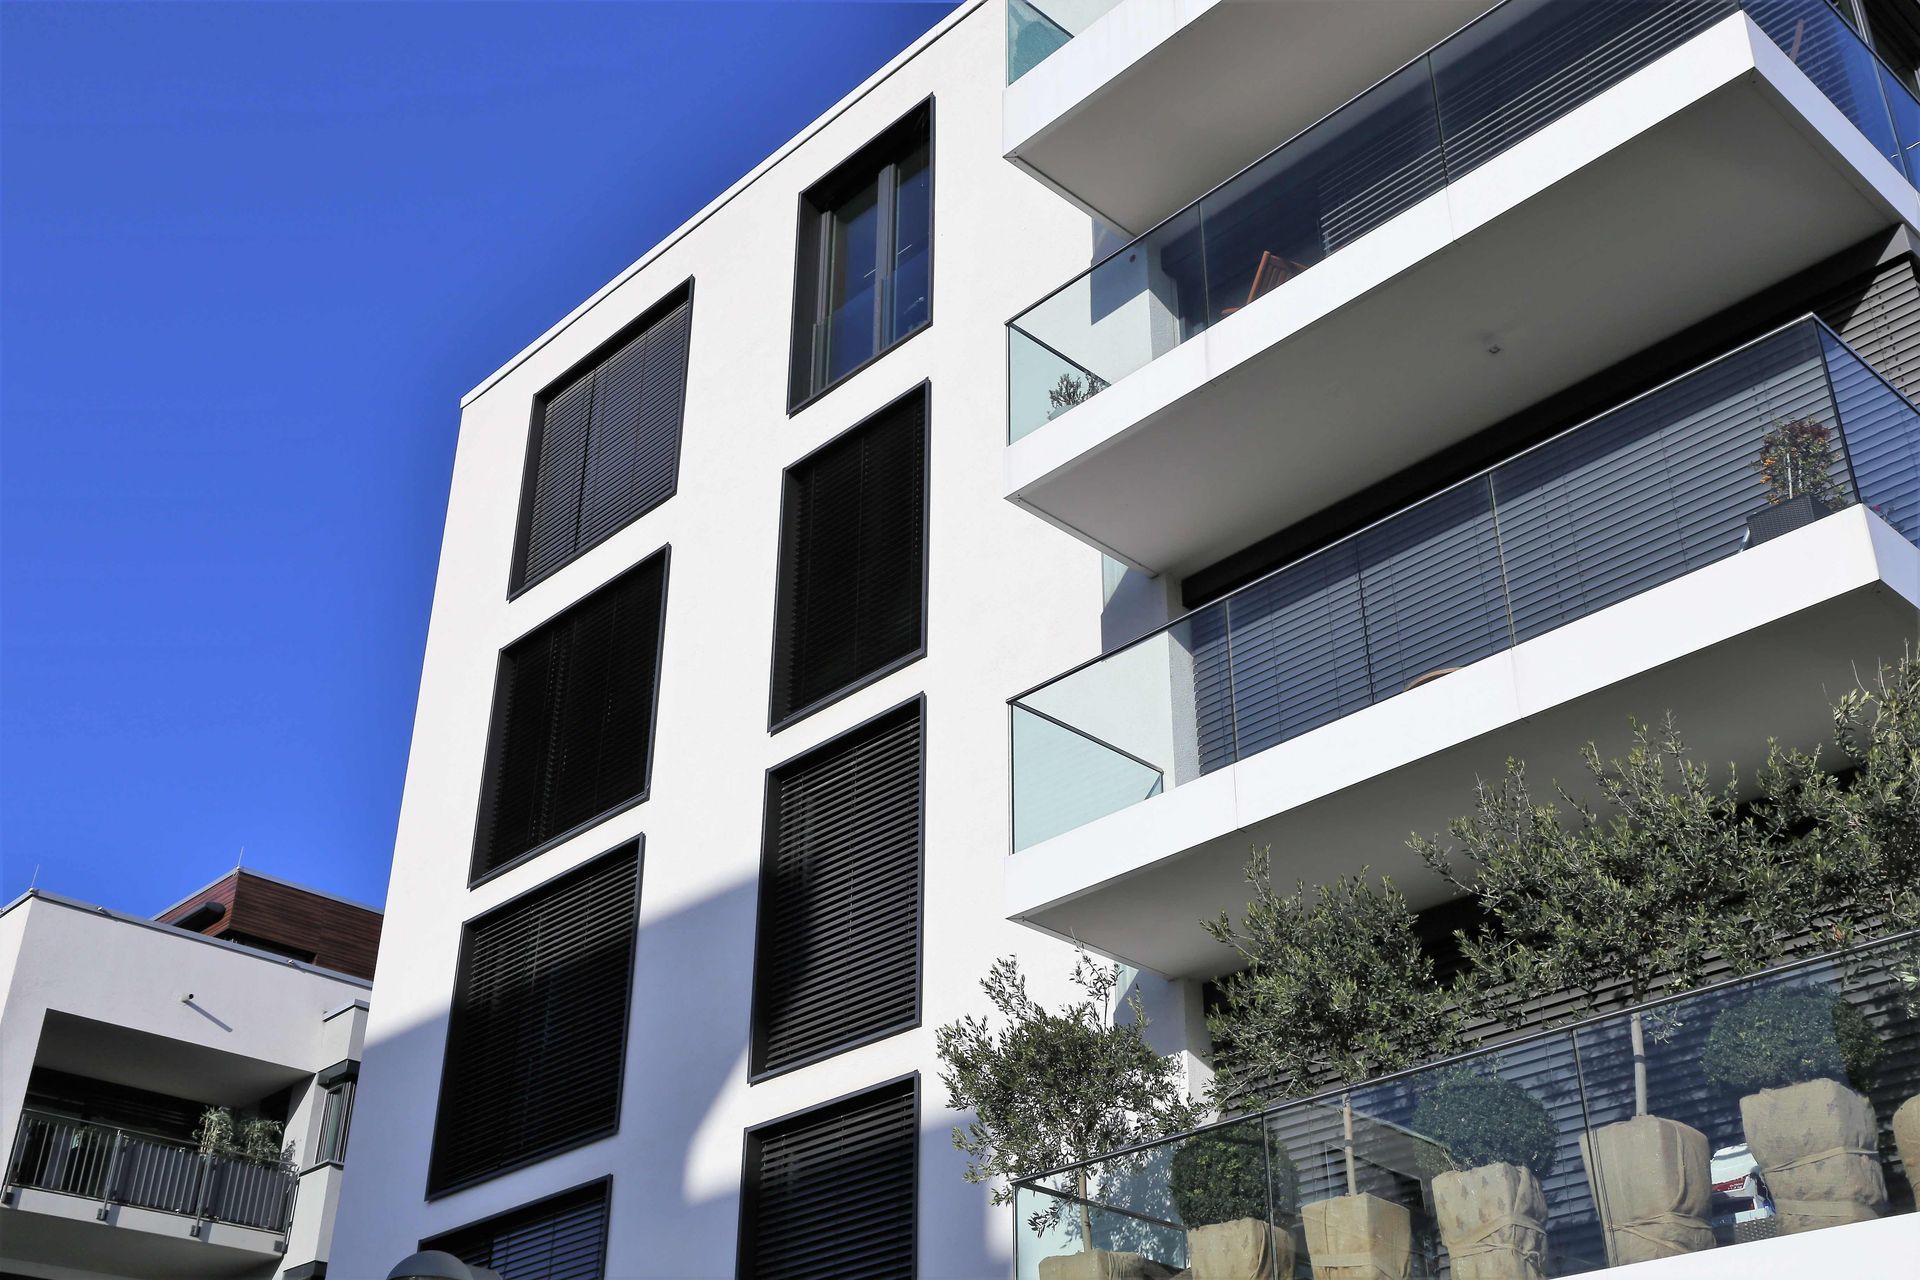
(1653, 1185)
(1906, 1137)
(1771, 521)
(1358, 1237)
(1817, 1145)
(1493, 1220)
(1244, 1249)
(1102, 1264)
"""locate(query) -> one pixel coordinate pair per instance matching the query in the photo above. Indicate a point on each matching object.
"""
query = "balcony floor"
(48, 1229)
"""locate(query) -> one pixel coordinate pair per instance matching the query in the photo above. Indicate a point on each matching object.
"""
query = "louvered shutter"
(837, 961)
(538, 1027)
(572, 727)
(607, 441)
(830, 1193)
(563, 1237)
(852, 558)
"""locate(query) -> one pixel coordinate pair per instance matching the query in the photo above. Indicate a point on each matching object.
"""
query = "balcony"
(1133, 108)
(1532, 201)
(1354, 696)
(178, 1212)
(1293, 1158)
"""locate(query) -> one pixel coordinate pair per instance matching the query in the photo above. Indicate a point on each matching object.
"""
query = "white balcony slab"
(51, 1228)
(1755, 646)
(1706, 175)
(1158, 101)
(1882, 1250)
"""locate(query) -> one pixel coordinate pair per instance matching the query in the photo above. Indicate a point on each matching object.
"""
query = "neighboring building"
(119, 1033)
(1424, 440)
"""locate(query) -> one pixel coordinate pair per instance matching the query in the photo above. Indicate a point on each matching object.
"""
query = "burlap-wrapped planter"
(1359, 1237)
(1103, 1264)
(1493, 1220)
(1652, 1181)
(1244, 1249)
(1906, 1137)
(1817, 1145)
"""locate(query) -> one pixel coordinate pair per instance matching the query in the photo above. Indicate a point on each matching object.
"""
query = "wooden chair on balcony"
(1272, 272)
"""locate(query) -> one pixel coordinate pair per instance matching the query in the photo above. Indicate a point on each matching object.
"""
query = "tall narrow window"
(830, 1193)
(536, 1039)
(606, 440)
(852, 561)
(866, 257)
(563, 1237)
(335, 1114)
(572, 733)
(837, 957)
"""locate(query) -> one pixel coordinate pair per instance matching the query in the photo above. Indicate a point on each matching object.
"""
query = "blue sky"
(250, 257)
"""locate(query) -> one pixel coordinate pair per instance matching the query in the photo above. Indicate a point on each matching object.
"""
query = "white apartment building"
(118, 1033)
(1380, 401)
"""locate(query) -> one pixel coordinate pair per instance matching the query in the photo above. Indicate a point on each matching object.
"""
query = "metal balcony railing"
(1733, 1181)
(1649, 491)
(1503, 77)
(116, 1166)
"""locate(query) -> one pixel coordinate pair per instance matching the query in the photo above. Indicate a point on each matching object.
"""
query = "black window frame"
(878, 158)
(518, 580)
(756, 1036)
(438, 1189)
(603, 1183)
(336, 1099)
(753, 1138)
(493, 760)
(778, 720)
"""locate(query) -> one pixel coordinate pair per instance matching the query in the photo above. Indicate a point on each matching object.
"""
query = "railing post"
(108, 1185)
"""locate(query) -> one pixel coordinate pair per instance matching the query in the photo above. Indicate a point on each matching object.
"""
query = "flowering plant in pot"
(1796, 466)
(1492, 1144)
(1792, 1053)
(1237, 1193)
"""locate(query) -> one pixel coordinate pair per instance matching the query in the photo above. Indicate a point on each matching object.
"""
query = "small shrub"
(260, 1140)
(1477, 1120)
(1221, 1176)
(1796, 457)
(217, 1133)
(1788, 1035)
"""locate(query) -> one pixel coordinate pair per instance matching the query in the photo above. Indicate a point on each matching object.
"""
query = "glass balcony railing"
(1035, 32)
(1421, 1173)
(115, 1166)
(1655, 488)
(1508, 74)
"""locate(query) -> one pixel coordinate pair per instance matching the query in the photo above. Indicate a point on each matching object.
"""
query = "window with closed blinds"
(605, 447)
(563, 1237)
(537, 1034)
(837, 959)
(830, 1194)
(852, 561)
(572, 733)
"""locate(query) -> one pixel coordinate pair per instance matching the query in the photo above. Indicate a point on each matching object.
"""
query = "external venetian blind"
(572, 732)
(563, 1237)
(606, 441)
(852, 560)
(537, 1034)
(837, 960)
(830, 1193)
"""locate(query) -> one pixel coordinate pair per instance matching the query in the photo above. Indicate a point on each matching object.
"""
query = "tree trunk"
(1086, 1210)
(1346, 1126)
(1638, 1028)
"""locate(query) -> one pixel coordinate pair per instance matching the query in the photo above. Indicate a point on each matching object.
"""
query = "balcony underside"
(49, 1229)
(1155, 103)
(1710, 173)
(1755, 646)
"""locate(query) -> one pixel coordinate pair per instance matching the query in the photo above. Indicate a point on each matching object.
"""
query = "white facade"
(1012, 600)
(145, 1006)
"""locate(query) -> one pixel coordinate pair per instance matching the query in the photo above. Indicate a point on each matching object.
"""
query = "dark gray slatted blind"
(606, 446)
(830, 1194)
(572, 732)
(538, 1029)
(563, 1237)
(1879, 317)
(837, 960)
(851, 558)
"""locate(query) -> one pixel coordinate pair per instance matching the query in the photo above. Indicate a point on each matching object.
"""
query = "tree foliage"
(1871, 822)
(1476, 1119)
(1233, 1172)
(1786, 1035)
(1052, 1088)
(1336, 988)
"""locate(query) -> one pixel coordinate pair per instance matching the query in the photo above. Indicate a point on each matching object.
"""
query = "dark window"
(335, 1116)
(830, 1193)
(563, 1237)
(537, 1034)
(852, 560)
(572, 733)
(605, 448)
(865, 272)
(837, 958)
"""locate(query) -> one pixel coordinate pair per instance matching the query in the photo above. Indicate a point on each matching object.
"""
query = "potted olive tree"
(1791, 1054)
(1237, 1194)
(1335, 990)
(1796, 465)
(1058, 1088)
(1493, 1143)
